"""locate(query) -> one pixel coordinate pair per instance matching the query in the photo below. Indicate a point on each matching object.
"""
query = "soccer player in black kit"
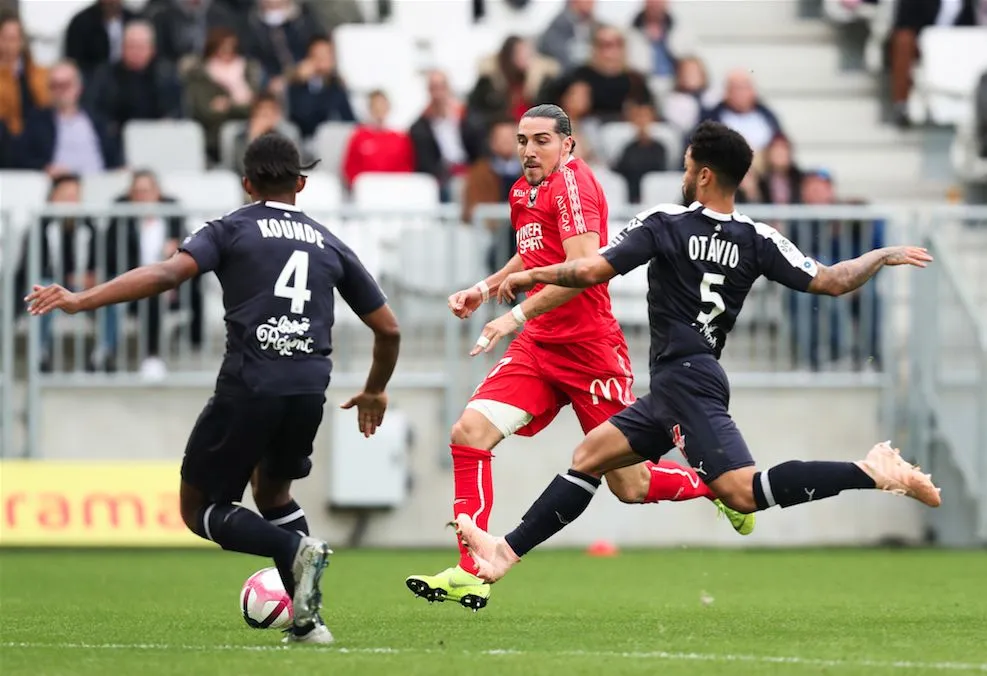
(702, 260)
(278, 269)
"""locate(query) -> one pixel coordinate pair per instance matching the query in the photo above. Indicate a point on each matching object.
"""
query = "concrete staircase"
(832, 113)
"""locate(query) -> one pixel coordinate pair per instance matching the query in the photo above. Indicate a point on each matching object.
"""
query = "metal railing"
(419, 258)
(949, 350)
(780, 331)
(6, 338)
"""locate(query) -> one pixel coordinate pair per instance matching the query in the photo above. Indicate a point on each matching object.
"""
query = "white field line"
(644, 655)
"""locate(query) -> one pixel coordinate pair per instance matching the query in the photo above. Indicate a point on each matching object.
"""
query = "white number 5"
(707, 295)
(298, 293)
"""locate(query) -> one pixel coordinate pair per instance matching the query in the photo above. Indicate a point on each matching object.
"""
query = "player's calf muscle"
(603, 450)
(630, 484)
(736, 490)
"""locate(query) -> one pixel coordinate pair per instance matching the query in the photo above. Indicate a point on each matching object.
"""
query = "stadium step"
(733, 20)
(848, 119)
(775, 64)
(851, 164)
(841, 84)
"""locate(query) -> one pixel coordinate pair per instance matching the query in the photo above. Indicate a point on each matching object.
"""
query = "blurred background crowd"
(235, 69)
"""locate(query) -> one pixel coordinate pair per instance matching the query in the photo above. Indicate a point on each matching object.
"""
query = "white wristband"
(483, 289)
(518, 315)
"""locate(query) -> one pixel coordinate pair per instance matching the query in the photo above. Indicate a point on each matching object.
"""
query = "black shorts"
(235, 434)
(687, 408)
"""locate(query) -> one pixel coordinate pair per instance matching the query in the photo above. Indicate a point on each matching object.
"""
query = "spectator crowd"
(251, 66)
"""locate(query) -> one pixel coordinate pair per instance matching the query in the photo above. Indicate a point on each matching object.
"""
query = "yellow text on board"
(91, 504)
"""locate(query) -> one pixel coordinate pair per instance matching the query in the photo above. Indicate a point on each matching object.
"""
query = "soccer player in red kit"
(571, 351)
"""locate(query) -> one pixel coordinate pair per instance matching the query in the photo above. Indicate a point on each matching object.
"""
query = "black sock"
(290, 517)
(561, 504)
(238, 529)
(795, 482)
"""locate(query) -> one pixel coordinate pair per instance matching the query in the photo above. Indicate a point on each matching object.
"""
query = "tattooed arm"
(850, 275)
(576, 274)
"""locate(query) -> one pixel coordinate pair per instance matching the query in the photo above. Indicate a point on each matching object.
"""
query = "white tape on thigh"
(506, 418)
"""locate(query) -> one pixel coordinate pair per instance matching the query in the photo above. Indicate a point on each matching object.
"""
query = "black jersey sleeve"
(206, 245)
(633, 246)
(781, 261)
(357, 286)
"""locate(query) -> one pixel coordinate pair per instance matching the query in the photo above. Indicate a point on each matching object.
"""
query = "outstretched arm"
(142, 282)
(578, 274)
(850, 275)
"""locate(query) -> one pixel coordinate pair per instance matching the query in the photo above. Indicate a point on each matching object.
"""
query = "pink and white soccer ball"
(264, 602)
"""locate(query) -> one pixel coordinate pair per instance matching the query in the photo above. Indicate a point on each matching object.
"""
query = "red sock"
(474, 492)
(672, 481)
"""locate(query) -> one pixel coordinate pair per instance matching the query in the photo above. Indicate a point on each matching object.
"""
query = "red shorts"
(540, 378)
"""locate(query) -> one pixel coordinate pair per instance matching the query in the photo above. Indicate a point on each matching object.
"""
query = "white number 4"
(707, 295)
(298, 293)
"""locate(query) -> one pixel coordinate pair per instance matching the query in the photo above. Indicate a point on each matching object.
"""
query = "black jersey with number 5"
(278, 269)
(702, 266)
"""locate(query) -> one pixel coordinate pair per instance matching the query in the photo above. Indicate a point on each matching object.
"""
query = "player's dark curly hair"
(563, 125)
(272, 164)
(723, 150)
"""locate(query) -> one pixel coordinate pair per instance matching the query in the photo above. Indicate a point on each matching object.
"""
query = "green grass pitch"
(834, 612)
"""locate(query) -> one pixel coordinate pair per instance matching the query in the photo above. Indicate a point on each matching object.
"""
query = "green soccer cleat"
(742, 523)
(452, 584)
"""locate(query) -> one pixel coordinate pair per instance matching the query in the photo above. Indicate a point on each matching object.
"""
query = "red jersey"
(567, 203)
(381, 150)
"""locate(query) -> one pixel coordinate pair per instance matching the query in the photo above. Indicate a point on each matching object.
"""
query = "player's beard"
(689, 191)
(545, 174)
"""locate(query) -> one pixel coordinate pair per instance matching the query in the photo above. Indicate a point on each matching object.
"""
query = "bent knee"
(474, 430)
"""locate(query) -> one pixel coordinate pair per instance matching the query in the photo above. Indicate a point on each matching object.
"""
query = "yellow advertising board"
(91, 504)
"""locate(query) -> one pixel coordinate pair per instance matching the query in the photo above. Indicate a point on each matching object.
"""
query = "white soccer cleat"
(893, 474)
(493, 556)
(319, 634)
(311, 560)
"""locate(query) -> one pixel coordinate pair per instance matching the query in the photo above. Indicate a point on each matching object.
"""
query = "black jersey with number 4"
(278, 269)
(702, 266)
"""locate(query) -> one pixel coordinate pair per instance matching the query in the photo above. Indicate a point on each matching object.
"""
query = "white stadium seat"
(210, 194)
(374, 56)
(165, 145)
(614, 137)
(395, 192)
(45, 23)
(661, 188)
(420, 19)
(20, 192)
(331, 139)
(953, 58)
(614, 185)
(458, 53)
(322, 195)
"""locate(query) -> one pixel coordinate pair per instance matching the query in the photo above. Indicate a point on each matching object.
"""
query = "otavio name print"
(714, 250)
(285, 336)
